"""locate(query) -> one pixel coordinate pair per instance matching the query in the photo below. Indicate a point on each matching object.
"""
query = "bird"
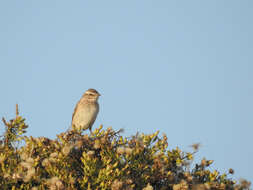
(86, 111)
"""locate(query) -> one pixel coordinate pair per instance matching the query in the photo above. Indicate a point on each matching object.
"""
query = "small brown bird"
(86, 111)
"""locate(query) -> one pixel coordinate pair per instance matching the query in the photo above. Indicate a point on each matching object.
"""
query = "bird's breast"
(85, 115)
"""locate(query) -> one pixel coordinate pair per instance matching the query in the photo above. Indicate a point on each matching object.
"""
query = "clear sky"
(182, 67)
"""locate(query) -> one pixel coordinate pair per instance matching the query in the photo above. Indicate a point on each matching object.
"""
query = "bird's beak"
(99, 94)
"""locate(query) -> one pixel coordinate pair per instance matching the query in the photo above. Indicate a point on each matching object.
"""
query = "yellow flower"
(148, 187)
(120, 150)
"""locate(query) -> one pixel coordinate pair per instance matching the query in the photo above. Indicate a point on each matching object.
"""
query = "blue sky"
(182, 67)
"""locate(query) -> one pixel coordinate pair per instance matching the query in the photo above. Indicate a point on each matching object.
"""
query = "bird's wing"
(74, 112)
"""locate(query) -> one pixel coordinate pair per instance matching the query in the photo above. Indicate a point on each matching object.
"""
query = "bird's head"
(92, 94)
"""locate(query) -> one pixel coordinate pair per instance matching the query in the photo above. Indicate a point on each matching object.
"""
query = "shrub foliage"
(102, 160)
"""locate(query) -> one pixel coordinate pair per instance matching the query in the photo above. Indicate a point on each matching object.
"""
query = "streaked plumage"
(86, 111)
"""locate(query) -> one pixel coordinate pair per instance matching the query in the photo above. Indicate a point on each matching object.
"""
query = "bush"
(102, 160)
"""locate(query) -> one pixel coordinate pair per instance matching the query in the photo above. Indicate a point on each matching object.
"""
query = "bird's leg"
(91, 131)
